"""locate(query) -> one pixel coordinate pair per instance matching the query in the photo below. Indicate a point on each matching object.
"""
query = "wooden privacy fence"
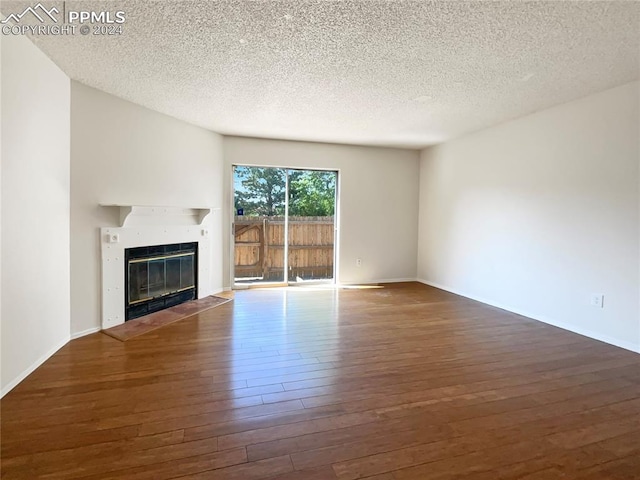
(259, 248)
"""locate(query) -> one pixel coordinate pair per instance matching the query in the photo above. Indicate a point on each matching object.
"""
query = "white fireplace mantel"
(132, 215)
(145, 225)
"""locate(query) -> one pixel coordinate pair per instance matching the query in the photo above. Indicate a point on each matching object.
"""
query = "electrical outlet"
(597, 300)
(358, 262)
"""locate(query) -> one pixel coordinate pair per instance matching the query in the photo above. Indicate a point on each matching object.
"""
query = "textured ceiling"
(394, 73)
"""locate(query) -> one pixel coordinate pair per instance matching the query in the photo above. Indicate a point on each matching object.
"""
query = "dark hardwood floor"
(400, 382)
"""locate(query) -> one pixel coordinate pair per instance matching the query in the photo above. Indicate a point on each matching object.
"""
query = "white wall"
(122, 153)
(537, 214)
(35, 209)
(378, 201)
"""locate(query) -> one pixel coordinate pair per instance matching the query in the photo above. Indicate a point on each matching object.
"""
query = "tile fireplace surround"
(142, 226)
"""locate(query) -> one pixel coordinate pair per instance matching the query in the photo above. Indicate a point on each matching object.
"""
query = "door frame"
(336, 228)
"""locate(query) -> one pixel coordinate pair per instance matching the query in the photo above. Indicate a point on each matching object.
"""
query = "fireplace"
(159, 276)
(162, 231)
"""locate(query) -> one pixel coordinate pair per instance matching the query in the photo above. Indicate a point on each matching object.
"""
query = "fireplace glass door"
(156, 277)
(159, 277)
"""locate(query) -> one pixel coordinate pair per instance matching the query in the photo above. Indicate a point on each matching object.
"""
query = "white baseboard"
(381, 280)
(395, 280)
(88, 331)
(12, 384)
(565, 326)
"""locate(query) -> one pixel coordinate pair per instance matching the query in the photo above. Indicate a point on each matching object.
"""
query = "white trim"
(380, 280)
(396, 280)
(565, 326)
(83, 333)
(13, 383)
(136, 215)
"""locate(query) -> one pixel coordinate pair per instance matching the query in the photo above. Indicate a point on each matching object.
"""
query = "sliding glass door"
(260, 196)
(311, 225)
(284, 225)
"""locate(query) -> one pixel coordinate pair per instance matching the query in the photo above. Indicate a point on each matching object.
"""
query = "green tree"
(312, 193)
(260, 191)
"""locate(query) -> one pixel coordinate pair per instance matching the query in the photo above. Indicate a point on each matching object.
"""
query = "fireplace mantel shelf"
(128, 212)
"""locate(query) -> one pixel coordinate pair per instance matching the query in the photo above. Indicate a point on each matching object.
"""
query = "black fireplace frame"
(156, 304)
